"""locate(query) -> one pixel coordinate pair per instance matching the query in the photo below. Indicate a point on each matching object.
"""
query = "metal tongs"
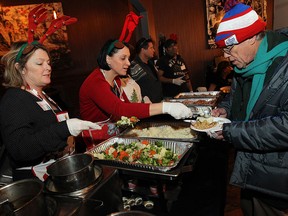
(206, 113)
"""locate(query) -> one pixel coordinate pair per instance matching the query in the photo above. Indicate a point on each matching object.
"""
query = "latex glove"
(76, 126)
(178, 81)
(177, 110)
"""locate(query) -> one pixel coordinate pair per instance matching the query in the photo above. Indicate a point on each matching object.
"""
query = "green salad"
(125, 121)
(141, 152)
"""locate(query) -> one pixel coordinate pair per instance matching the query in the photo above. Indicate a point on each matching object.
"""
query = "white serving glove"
(76, 126)
(178, 81)
(177, 110)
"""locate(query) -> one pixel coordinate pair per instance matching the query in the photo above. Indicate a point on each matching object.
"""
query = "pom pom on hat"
(238, 24)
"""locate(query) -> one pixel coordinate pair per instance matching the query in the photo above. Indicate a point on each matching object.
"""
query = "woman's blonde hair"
(12, 74)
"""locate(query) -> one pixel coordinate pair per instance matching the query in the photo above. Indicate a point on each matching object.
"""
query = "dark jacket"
(261, 163)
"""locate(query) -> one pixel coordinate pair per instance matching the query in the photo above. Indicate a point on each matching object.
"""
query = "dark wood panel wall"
(99, 20)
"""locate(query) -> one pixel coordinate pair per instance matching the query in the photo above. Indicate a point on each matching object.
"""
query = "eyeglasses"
(118, 45)
(115, 44)
(26, 49)
(228, 49)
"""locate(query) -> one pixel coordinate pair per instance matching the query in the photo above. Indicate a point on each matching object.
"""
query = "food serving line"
(81, 184)
(153, 181)
(148, 181)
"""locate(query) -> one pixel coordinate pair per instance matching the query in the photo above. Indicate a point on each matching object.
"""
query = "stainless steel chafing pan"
(129, 132)
(196, 101)
(208, 94)
(180, 148)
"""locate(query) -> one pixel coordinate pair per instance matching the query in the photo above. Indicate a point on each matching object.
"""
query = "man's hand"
(219, 112)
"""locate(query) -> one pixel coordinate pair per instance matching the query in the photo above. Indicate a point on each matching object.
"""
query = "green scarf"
(258, 68)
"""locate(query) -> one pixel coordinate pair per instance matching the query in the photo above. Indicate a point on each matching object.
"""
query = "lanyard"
(34, 92)
(119, 90)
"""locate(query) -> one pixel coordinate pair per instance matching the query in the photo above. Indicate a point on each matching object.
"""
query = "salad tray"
(179, 148)
(132, 132)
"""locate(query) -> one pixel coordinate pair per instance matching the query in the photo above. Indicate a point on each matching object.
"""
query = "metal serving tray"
(180, 148)
(128, 133)
(184, 95)
(197, 101)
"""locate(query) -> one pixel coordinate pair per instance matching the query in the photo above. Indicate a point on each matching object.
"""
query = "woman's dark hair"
(142, 43)
(109, 48)
(221, 67)
(168, 43)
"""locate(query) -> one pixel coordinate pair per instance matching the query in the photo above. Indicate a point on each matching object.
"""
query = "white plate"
(217, 127)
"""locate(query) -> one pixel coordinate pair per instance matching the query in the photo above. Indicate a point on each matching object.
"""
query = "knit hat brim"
(237, 25)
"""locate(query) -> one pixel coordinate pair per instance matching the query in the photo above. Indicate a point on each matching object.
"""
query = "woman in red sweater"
(101, 95)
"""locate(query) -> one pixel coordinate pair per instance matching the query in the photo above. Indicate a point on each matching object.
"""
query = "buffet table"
(197, 184)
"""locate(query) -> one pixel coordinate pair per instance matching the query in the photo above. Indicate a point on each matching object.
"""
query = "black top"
(173, 68)
(29, 133)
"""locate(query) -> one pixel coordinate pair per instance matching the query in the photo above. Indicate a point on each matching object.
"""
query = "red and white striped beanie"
(238, 24)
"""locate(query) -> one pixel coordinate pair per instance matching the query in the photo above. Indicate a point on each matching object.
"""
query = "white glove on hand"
(178, 81)
(177, 110)
(76, 126)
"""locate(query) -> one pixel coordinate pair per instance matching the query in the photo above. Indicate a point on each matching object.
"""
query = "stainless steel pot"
(131, 213)
(23, 198)
(91, 207)
(72, 173)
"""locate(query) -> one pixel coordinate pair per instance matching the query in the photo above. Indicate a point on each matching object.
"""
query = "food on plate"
(141, 152)
(125, 121)
(203, 123)
(164, 131)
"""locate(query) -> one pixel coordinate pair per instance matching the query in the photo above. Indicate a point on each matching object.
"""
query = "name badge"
(183, 67)
(43, 105)
(62, 116)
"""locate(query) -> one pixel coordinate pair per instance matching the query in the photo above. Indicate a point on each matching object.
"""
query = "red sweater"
(98, 102)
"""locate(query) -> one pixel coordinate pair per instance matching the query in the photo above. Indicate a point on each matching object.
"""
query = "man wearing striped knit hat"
(258, 109)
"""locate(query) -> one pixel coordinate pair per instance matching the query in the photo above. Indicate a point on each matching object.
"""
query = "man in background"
(143, 71)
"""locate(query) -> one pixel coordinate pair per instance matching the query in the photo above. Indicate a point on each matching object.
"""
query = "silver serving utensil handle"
(207, 113)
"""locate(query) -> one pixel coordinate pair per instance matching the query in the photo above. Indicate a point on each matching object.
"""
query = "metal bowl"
(131, 213)
(72, 173)
(22, 198)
